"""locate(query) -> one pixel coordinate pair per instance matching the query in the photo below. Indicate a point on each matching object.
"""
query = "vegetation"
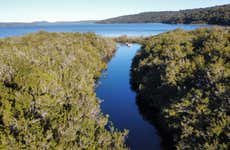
(47, 98)
(182, 78)
(219, 15)
(130, 39)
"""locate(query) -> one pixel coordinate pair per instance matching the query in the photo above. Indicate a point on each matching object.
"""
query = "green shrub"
(47, 98)
(183, 76)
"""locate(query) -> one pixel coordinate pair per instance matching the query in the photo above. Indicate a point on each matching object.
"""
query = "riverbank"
(181, 78)
(47, 97)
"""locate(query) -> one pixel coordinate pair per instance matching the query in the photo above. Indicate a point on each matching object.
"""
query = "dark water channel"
(119, 101)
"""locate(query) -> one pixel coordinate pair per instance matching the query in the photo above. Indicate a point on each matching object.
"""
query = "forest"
(218, 15)
(47, 96)
(182, 82)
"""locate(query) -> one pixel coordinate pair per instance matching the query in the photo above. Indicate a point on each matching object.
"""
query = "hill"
(38, 23)
(218, 15)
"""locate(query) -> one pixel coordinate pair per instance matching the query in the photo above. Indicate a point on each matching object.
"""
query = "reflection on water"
(119, 101)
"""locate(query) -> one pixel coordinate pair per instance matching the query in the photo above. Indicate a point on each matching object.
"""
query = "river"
(119, 101)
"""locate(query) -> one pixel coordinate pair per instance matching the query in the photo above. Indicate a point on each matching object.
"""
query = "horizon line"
(94, 20)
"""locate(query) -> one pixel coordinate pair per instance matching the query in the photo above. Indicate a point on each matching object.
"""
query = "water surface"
(120, 101)
(134, 29)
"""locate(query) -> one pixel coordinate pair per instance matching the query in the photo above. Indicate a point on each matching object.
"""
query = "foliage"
(130, 39)
(184, 77)
(47, 98)
(218, 15)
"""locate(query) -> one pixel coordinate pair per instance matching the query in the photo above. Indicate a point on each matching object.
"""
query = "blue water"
(120, 104)
(119, 100)
(141, 29)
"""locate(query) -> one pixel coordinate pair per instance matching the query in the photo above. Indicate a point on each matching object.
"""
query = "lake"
(119, 101)
(136, 29)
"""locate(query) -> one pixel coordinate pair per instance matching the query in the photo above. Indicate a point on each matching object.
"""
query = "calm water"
(101, 29)
(120, 104)
(114, 90)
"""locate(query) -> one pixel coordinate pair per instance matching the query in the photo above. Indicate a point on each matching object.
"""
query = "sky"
(75, 10)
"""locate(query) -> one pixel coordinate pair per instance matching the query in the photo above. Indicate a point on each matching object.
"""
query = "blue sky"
(73, 10)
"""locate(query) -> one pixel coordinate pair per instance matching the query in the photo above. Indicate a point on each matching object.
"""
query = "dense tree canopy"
(47, 98)
(219, 15)
(183, 77)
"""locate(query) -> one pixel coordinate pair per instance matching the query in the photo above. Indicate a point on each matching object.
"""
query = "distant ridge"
(72, 22)
(219, 15)
(21, 23)
(43, 23)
